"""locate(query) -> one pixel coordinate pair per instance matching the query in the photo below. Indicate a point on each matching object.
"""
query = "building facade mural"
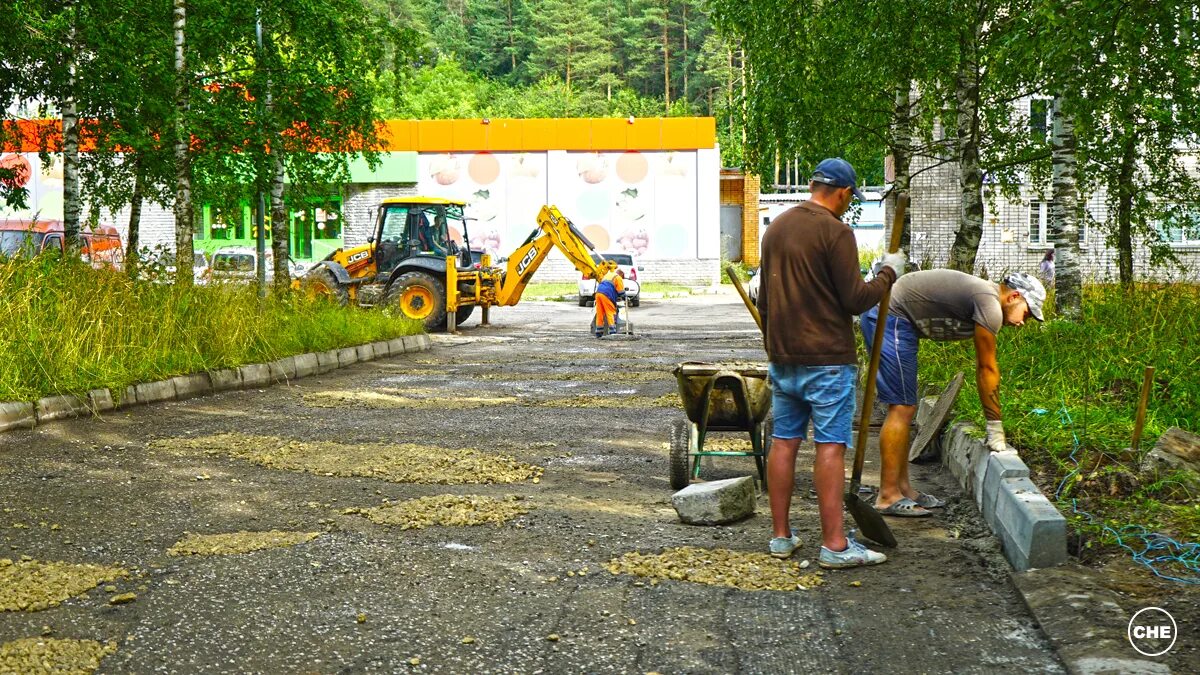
(649, 188)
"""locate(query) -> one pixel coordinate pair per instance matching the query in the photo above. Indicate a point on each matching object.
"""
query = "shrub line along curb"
(27, 415)
(1030, 528)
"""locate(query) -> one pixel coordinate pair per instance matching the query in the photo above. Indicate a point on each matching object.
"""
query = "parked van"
(101, 246)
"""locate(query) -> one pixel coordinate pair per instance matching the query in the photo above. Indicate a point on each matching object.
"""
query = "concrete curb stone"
(100, 400)
(365, 352)
(306, 365)
(255, 375)
(716, 502)
(26, 415)
(1084, 621)
(282, 370)
(327, 361)
(60, 407)
(191, 386)
(226, 379)
(17, 415)
(151, 392)
(1032, 532)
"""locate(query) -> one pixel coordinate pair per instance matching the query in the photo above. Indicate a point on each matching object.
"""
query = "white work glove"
(995, 437)
(896, 261)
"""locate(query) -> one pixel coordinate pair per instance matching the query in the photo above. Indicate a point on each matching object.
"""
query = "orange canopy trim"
(469, 135)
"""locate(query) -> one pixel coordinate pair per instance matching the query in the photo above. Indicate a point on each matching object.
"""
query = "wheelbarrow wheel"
(680, 471)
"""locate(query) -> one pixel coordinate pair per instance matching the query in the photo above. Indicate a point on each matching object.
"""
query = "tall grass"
(66, 328)
(1072, 389)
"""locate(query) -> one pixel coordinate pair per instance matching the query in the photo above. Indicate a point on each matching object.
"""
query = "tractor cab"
(420, 228)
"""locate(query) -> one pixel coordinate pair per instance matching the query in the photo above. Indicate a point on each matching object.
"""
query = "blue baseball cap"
(837, 172)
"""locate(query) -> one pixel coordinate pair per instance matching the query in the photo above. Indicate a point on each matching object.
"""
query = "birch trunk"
(970, 183)
(1065, 215)
(70, 148)
(902, 164)
(135, 219)
(183, 159)
(281, 230)
(1125, 209)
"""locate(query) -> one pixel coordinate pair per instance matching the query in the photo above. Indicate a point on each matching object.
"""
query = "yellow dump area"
(451, 510)
(53, 655)
(238, 542)
(404, 463)
(32, 585)
(385, 398)
(716, 567)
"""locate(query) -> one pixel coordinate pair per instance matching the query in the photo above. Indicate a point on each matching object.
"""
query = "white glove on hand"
(896, 261)
(995, 436)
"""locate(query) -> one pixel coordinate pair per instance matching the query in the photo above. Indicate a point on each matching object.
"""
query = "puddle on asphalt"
(238, 542)
(32, 585)
(716, 567)
(53, 655)
(449, 510)
(404, 463)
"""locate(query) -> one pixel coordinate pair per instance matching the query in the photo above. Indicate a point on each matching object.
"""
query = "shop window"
(228, 223)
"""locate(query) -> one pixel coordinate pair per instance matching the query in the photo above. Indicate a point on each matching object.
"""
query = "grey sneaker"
(782, 547)
(855, 555)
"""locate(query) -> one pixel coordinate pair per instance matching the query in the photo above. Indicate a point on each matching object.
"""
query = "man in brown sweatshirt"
(810, 289)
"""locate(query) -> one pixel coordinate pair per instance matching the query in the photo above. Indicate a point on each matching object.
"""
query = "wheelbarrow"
(720, 397)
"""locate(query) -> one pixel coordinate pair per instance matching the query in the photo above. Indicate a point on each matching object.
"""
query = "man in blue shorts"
(940, 305)
(810, 290)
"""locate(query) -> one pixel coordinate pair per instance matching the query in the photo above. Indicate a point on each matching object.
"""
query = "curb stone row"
(27, 415)
(1032, 532)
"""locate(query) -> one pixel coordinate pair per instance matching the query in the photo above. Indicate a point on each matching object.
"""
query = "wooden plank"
(941, 413)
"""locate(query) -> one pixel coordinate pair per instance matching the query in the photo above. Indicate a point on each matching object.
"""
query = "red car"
(100, 246)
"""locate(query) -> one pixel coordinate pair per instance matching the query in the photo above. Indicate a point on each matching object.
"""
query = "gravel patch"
(53, 655)
(32, 585)
(238, 542)
(451, 510)
(717, 567)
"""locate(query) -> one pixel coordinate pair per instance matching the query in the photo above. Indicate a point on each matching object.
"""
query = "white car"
(627, 265)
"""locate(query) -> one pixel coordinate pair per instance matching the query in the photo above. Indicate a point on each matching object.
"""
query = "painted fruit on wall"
(444, 169)
(592, 168)
(17, 170)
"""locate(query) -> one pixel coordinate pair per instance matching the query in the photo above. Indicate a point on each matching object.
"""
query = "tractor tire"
(583, 301)
(636, 302)
(462, 314)
(323, 285)
(681, 469)
(419, 296)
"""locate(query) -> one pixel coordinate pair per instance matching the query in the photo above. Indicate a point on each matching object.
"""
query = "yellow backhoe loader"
(412, 263)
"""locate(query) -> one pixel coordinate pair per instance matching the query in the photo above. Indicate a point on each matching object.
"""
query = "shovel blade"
(870, 522)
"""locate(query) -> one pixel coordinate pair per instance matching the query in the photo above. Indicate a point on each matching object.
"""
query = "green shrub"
(1087, 378)
(67, 328)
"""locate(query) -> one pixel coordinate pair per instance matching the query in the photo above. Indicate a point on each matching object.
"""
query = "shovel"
(870, 522)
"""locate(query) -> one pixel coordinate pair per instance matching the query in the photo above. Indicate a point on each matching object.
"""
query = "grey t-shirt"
(946, 304)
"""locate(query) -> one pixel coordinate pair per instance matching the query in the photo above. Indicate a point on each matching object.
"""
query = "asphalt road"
(369, 597)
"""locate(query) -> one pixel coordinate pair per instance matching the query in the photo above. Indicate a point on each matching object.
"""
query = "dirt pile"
(607, 401)
(404, 463)
(238, 542)
(717, 567)
(452, 510)
(32, 585)
(53, 655)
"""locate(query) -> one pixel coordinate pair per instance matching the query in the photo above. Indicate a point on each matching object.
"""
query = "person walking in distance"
(810, 290)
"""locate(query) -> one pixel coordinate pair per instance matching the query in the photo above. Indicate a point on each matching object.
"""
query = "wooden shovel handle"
(1140, 422)
(868, 402)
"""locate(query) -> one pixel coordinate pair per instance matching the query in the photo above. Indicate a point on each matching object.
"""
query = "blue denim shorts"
(824, 394)
(896, 382)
